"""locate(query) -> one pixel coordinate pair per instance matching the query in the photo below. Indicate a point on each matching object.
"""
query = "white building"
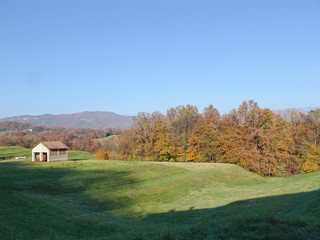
(50, 151)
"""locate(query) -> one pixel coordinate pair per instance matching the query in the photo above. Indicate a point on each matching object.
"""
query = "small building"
(50, 151)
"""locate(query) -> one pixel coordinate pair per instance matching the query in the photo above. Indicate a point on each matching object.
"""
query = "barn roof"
(54, 145)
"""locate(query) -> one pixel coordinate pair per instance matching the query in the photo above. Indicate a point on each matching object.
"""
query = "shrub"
(102, 155)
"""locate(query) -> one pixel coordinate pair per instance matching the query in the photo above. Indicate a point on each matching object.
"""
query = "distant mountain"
(302, 110)
(96, 120)
(16, 126)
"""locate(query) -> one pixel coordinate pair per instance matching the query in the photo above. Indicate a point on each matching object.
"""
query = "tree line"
(254, 138)
(83, 139)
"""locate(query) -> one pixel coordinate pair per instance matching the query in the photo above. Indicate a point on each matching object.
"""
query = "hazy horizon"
(302, 109)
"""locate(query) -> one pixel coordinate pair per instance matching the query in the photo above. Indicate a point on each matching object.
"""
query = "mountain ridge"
(87, 119)
(304, 110)
(97, 119)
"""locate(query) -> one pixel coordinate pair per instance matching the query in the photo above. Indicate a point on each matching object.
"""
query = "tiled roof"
(54, 145)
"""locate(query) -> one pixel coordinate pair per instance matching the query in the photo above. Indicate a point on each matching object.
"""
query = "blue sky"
(145, 55)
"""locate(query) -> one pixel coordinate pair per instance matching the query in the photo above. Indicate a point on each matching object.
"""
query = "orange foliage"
(254, 138)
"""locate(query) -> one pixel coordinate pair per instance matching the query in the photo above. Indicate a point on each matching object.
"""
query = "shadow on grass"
(291, 216)
(41, 201)
(63, 203)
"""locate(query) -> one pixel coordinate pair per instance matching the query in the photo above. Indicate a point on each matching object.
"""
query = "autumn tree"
(143, 130)
(128, 144)
(314, 118)
(252, 137)
(234, 144)
(204, 140)
(308, 155)
(256, 139)
(181, 120)
(164, 149)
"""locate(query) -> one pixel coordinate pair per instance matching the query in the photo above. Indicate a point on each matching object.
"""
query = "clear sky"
(66, 56)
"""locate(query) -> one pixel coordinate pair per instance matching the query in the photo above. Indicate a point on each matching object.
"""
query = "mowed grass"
(92, 199)
(80, 155)
(12, 152)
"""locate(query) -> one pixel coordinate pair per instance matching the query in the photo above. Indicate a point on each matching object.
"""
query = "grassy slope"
(80, 155)
(12, 152)
(109, 138)
(136, 200)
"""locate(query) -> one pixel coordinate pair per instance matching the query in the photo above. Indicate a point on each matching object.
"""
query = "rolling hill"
(95, 199)
(96, 120)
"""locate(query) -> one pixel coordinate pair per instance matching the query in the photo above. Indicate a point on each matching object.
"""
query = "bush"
(102, 155)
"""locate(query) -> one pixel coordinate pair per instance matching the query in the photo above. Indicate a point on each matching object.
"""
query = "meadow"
(85, 198)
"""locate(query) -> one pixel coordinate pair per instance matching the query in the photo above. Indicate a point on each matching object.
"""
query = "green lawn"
(80, 155)
(12, 152)
(140, 200)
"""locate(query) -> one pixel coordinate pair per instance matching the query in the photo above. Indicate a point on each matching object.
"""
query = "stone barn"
(50, 151)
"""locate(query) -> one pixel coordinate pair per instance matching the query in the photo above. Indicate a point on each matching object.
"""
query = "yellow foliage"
(312, 163)
(102, 155)
(309, 166)
(193, 149)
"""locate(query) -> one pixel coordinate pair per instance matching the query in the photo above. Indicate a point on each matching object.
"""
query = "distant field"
(16, 151)
(140, 200)
(109, 138)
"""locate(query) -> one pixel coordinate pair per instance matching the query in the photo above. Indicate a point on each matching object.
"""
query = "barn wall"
(59, 156)
(40, 148)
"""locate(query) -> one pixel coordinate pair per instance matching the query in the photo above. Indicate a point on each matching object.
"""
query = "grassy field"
(92, 199)
(12, 152)
(109, 138)
(80, 155)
